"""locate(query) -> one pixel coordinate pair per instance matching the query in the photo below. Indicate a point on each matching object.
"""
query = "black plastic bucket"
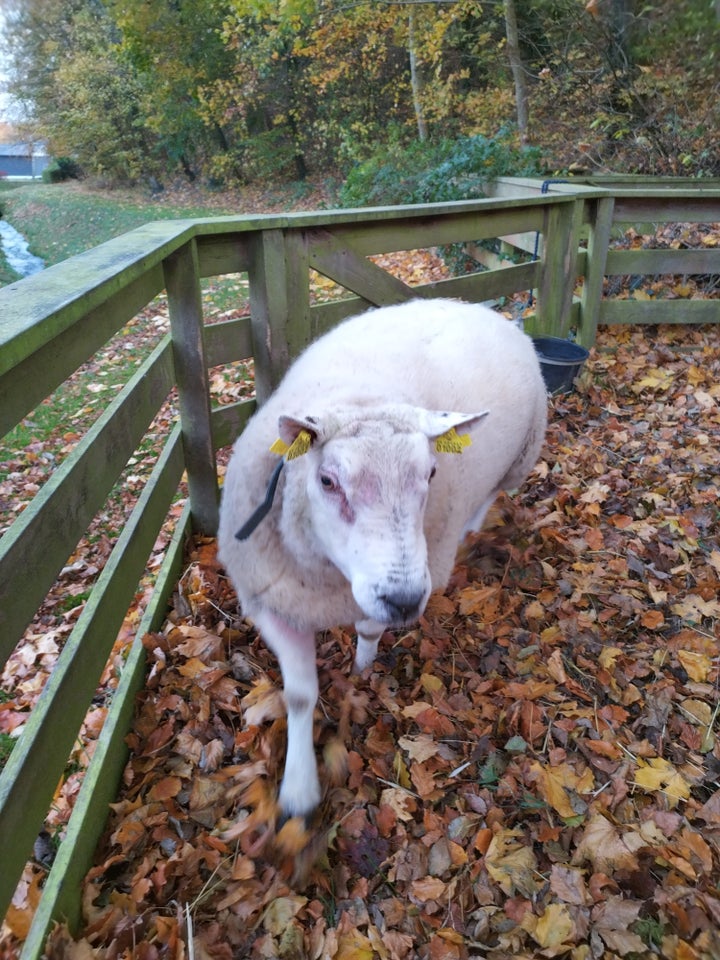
(560, 362)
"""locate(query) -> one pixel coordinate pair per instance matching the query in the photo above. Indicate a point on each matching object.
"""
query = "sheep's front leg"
(368, 637)
(295, 650)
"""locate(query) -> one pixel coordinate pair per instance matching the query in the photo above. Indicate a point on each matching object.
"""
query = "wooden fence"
(53, 322)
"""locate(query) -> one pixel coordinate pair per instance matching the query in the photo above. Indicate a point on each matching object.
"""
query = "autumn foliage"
(530, 772)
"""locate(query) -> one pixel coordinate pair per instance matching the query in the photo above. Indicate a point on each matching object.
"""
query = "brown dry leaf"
(292, 837)
(556, 668)
(653, 619)
(354, 945)
(430, 888)
(568, 884)
(557, 784)
(166, 788)
(24, 903)
(400, 801)
(612, 920)
(695, 848)
(660, 774)
(512, 864)
(335, 756)
(421, 747)
(263, 702)
(696, 665)
(193, 668)
(553, 930)
(281, 911)
(710, 810)
(606, 848)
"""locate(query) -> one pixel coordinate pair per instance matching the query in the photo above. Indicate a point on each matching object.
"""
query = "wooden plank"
(268, 309)
(660, 311)
(490, 285)
(657, 262)
(558, 273)
(182, 279)
(229, 420)
(227, 253)
(474, 287)
(594, 268)
(368, 238)
(37, 309)
(325, 316)
(659, 208)
(35, 765)
(642, 182)
(24, 385)
(333, 257)
(488, 258)
(511, 187)
(217, 226)
(228, 341)
(61, 897)
(38, 543)
(297, 293)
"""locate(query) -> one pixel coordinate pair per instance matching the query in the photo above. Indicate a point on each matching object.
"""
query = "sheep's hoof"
(293, 835)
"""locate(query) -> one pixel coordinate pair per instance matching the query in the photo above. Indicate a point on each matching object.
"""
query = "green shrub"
(437, 172)
(60, 169)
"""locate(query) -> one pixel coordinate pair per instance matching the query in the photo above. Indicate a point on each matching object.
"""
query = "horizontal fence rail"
(551, 243)
(643, 203)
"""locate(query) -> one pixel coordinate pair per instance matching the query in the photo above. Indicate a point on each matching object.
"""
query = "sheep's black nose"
(403, 606)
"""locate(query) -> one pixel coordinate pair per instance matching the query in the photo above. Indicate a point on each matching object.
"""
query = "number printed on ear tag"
(300, 445)
(452, 442)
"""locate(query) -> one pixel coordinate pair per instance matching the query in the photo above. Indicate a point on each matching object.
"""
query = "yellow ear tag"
(279, 447)
(451, 442)
(300, 445)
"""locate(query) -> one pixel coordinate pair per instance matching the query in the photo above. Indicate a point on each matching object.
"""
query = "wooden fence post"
(601, 219)
(558, 273)
(279, 304)
(182, 280)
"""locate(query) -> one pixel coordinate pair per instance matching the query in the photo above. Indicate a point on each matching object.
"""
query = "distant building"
(22, 159)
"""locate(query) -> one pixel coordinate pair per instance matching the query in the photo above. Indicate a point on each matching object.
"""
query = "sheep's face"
(366, 487)
(367, 496)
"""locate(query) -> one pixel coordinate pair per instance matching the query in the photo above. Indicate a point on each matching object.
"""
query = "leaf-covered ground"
(531, 772)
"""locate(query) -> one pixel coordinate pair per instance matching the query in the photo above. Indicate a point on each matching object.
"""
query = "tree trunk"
(620, 21)
(415, 82)
(517, 68)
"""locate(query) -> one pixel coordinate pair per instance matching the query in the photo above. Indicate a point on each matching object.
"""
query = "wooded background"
(232, 91)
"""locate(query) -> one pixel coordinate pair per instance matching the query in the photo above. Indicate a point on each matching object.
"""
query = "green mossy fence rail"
(53, 322)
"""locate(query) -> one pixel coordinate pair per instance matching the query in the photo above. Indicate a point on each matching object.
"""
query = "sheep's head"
(361, 481)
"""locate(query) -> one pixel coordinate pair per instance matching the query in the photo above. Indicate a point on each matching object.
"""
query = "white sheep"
(369, 509)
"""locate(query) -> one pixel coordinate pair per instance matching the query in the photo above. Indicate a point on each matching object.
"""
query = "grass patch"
(6, 745)
(61, 220)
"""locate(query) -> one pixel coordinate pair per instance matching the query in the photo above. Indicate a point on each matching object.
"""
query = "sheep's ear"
(442, 427)
(291, 427)
(297, 435)
(434, 423)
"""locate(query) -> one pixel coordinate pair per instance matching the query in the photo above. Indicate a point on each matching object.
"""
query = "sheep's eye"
(327, 482)
(432, 473)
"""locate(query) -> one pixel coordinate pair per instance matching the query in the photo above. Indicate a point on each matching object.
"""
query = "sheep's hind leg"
(368, 638)
(295, 650)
